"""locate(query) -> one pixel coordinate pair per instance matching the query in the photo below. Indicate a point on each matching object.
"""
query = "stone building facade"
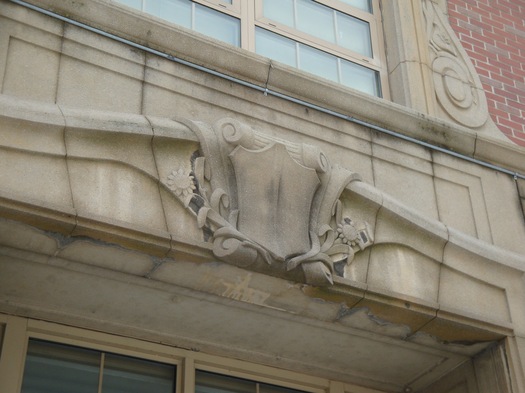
(179, 212)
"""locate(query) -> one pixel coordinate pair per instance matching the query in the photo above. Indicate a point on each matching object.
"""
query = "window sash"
(57, 368)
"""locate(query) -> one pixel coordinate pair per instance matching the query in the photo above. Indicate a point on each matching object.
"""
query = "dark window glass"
(56, 368)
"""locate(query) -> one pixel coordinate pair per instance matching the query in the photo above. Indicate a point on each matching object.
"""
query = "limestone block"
(461, 198)
(401, 270)
(172, 89)
(455, 206)
(131, 235)
(358, 269)
(99, 73)
(473, 331)
(470, 199)
(31, 126)
(31, 50)
(108, 256)
(506, 220)
(109, 136)
(409, 94)
(501, 152)
(399, 315)
(117, 191)
(36, 176)
(484, 281)
(402, 225)
(24, 237)
(20, 78)
(405, 175)
(460, 292)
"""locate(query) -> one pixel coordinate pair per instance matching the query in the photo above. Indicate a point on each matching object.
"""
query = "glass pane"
(318, 62)
(176, 11)
(354, 34)
(217, 25)
(280, 11)
(364, 5)
(206, 382)
(54, 368)
(132, 3)
(275, 47)
(128, 375)
(315, 19)
(360, 78)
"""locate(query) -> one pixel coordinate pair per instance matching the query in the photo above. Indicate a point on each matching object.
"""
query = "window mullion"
(192, 15)
(336, 27)
(295, 17)
(101, 371)
(297, 55)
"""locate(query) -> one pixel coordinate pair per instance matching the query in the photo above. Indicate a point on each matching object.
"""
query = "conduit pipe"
(267, 91)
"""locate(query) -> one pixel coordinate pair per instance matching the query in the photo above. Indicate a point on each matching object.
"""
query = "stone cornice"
(82, 140)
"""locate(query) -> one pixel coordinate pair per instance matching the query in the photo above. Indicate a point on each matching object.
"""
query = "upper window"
(335, 39)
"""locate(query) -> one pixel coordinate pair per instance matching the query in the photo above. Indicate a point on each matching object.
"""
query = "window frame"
(378, 60)
(250, 15)
(186, 360)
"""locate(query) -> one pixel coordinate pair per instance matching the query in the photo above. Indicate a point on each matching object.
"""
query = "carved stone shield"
(275, 196)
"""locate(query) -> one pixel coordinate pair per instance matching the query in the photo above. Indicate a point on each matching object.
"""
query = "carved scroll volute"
(457, 86)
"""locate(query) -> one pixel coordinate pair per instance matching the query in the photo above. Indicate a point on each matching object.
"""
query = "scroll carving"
(270, 205)
(457, 85)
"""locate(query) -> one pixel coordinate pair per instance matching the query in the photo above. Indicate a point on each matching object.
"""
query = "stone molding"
(86, 143)
(420, 123)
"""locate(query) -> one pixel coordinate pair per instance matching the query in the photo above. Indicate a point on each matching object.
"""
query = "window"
(207, 382)
(195, 16)
(336, 39)
(57, 368)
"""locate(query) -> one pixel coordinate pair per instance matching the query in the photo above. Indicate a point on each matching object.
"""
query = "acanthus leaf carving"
(273, 205)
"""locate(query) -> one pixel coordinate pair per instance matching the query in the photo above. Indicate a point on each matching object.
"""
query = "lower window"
(57, 368)
(207, 382)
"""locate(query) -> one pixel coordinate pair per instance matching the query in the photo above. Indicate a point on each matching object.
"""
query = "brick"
(508, 109)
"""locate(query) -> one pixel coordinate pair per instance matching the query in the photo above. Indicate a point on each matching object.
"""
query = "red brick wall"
(493, 34)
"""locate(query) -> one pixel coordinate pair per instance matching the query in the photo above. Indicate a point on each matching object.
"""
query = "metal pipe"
(267, 91)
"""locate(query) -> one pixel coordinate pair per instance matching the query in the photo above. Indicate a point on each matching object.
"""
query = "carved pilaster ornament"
(456, 83)
(269, 205)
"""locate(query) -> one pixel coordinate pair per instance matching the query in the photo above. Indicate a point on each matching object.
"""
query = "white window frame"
(250, 14)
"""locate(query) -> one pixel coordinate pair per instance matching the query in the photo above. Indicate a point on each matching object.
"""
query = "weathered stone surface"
(114, 177)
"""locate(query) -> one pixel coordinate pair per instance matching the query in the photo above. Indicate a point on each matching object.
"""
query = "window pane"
(129, 375)
(206, 382)
(360, 78)
(176, 11)
(280, 11)
(364, 5)
(354, 34)
(315, 19)
(217, 25)
(318, 62)
(275, 47)
(53, 368)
